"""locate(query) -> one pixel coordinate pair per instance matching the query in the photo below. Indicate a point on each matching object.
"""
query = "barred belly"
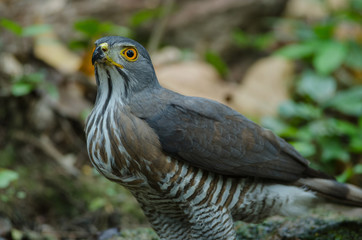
(203, 205)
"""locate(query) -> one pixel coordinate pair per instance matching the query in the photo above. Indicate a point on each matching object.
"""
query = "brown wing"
(212, 136)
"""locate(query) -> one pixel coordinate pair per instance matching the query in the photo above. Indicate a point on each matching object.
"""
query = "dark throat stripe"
(125, 78)
(97, 80)
(97, 76)
(110, 88)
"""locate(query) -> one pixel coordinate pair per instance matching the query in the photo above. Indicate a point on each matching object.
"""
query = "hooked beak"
(101, 54)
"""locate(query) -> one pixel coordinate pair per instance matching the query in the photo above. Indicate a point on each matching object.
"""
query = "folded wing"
(212, 136)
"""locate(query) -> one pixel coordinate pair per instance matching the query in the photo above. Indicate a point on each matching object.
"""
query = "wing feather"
(212, 136)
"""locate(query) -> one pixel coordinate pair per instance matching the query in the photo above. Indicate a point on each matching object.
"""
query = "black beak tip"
(93, 59)
(97, 54)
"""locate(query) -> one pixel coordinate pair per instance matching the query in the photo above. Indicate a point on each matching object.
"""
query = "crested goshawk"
(193, 164)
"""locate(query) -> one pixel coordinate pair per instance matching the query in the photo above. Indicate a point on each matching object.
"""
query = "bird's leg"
(211, 223)
(166, 217)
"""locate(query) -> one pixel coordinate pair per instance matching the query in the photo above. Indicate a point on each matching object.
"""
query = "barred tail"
(332, 190)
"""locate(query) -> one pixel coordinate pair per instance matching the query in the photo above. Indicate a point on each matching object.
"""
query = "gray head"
(122, 66)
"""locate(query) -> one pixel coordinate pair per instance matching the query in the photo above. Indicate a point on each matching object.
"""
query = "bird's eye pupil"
(130, 53)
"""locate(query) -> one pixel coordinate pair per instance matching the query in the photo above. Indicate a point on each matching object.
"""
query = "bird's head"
(122, 65)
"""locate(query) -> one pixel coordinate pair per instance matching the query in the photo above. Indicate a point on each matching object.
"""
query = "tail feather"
(333, 190)
(313, 173)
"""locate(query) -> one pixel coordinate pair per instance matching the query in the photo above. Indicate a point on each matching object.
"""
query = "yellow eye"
(130, 53)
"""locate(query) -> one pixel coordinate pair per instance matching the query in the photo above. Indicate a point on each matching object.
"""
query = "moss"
(301, 228)
(320, 225)
(337, 231)
(137, 234)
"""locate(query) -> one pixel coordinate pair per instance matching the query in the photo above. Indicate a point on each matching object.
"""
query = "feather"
(212, 136)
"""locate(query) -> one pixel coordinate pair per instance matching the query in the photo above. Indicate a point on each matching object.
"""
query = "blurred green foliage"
(91, 29)
(324, 119)
(145, 15)
(217, 62)
(326, 54)
(27, 83)
(6, 177)
(257, 41)
(20, 31)
(95, 28)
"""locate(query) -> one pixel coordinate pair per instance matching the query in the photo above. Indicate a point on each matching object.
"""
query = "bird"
(194, 165)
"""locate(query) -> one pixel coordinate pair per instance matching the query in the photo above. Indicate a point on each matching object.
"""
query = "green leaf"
(354, 56)
(347, 174)
(97, 203)
(119, 30)
(34, 30)
(94, 28)
(78, 44)
(356, 5)
(90, 27)
(215, 60)
(6, 177)
(306, 149)
(344, 127)
(304, 134)
(21, 194)
(333, 150)
(319, 88)
(357, 169)
(324, 30)
(263, 41)
(145, 15)
(259, 41)
(321, 128)
(241, 38)
(297, 51)
(329, 57)
(278, 126)
(21, 88)
(348, 101)
(26, 83)
(355, 144)
(11, 26)
(290, 109)
(33, 78)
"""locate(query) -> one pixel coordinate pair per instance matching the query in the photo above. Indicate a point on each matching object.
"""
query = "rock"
(49, 49)
(337, 5)
(108, 234)
(264, 87)
(306, 9)
(193, 78)
(10, 65)
(314, 9)
(166, 56)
